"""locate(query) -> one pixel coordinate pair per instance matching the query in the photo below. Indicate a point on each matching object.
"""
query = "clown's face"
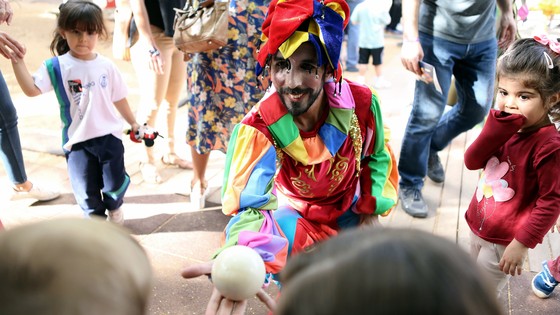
(298, 80)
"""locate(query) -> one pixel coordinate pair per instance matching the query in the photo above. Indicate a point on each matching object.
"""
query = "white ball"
(238, 272)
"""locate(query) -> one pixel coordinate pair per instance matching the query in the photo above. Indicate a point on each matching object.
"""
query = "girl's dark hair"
(81, 15)
(537, 66)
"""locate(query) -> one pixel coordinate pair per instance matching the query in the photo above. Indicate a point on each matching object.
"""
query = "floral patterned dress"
(222, 85)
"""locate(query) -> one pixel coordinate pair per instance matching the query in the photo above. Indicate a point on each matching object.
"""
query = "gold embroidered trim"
(356, 135)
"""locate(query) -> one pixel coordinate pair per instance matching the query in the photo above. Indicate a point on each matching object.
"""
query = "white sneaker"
(36, 192)
(382, 84)
(361, 79)
(116, 216)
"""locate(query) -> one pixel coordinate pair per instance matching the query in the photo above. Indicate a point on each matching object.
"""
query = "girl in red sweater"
(517, 197)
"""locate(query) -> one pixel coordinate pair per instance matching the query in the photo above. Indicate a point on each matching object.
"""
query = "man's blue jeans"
(10, 145)
(353, 37)
(473, 66)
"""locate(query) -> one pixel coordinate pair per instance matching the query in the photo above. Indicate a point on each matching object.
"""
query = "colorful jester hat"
(290, 23)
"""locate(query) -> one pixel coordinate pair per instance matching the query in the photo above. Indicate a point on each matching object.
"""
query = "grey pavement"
(161, 217)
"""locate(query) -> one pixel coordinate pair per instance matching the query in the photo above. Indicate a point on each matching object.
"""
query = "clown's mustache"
(294, 91)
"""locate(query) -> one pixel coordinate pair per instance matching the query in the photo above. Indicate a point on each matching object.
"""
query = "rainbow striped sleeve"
(379, 176)
(248, 195)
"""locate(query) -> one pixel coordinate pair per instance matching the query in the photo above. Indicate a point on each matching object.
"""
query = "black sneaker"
(412, 202)
(435, 169)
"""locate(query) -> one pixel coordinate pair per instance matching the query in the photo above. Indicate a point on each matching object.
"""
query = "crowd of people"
(309, 165)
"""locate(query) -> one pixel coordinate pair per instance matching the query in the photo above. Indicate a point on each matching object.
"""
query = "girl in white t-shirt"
(88, 87)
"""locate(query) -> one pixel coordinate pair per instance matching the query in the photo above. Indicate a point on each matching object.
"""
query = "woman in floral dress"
(222, 87)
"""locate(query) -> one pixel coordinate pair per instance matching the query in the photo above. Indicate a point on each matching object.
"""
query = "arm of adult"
(218, 304)
(143, 24)
(378, 167)
(248, 196)
(411, 51)
(10, 48)
(6, 13)
(508, 26)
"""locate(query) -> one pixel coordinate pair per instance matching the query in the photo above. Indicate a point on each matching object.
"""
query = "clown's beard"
(302, 105)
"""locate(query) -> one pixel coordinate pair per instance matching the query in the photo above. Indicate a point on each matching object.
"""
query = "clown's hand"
(218, 304)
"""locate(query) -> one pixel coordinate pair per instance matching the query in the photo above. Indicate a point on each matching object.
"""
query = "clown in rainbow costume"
(311, 158)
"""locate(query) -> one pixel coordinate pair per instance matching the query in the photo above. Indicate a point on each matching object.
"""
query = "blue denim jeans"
(10, 145)
(473, 66)
(353, 37)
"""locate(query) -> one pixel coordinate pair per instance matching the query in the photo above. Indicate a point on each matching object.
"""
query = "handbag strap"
(205, 3)
(192, 6)
(197, 4)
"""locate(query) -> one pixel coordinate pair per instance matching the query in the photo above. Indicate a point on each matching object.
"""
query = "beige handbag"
(123, 38)
(201, 26)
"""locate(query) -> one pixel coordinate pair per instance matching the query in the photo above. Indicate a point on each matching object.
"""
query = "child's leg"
(362, 69)
(115, 179)
(380, 81)
(377, 54)
(378, 70)
(362, 65)
(84, 172)
(554, 267)
(487, 256)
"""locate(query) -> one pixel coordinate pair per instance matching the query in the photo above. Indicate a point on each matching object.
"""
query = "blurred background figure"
(549, 9)
(352, 37)
(372, 16)
(396, 13)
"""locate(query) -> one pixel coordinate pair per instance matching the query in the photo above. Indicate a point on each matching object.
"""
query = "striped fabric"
(53, 67)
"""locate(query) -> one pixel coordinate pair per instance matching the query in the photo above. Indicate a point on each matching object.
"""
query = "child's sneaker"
(544, 283)
(381, 83)
(116, 216)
